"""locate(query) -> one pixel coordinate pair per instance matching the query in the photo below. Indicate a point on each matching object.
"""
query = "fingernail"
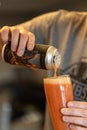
(71, 126)
(30, 47)
(20, 53)
(65, 118)
(70, 104)
(13, 48)
(63, 110)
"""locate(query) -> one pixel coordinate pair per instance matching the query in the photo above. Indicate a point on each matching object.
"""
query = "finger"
(74, 112)
(5, 34)
(31, 41)
(77, 104)
(22, 44)
(76, 120)
(75, 127)
(14, 38)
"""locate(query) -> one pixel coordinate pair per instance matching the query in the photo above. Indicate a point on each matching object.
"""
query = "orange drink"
(58, 91)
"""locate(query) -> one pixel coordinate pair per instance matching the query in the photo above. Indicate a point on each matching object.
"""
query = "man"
(68, 32)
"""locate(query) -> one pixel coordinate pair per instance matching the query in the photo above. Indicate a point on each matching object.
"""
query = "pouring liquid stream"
(55, 70)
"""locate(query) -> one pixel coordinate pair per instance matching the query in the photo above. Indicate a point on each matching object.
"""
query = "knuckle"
(73, 111)
(15, 30)
(24, 35)
(5, 31)
(69, 111)
(5, 27)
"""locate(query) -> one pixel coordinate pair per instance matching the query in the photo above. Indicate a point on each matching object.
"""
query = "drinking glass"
(58, 91)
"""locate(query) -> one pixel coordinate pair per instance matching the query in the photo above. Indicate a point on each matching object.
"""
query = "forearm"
(42, 26)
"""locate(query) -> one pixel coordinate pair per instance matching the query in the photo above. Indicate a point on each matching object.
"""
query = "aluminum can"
(43, 56)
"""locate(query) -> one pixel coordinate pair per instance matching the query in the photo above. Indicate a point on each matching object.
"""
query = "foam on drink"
(58, 80)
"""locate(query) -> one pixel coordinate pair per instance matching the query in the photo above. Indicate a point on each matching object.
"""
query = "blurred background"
(22, 99)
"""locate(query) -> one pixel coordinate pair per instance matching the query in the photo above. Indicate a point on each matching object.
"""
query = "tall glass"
(58, 91)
